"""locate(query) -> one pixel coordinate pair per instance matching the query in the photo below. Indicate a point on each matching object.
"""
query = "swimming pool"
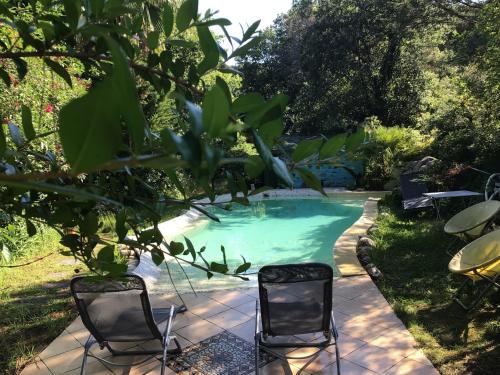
(271, 231)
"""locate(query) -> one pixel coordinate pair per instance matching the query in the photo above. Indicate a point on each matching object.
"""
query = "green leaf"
(217, 267)
(21, 67)
(15, 135)
(209, 48)
(331, 147)
(254, 166)
(247, 103)
(120, 224)
(224, 86)
(153, 39)
(167, 19)
(72, 10)
(106, 254)
(251, 30)
(48, 30)
(190, 248)
(188, 11)
(176, 248)
(30, 228)
(215, 111)
(271, 131)
(157, 256)
(27, 120)
(310, 180)
(355, 140)
(243, 267)
(244, 49)
(5, 77)
(281, 170)
(260, 190)
(215, 21)
(86, 142)
(89, 225)
(306, 148)
(273, 163)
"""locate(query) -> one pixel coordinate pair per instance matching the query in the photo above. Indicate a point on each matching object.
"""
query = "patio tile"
(346, 368)
(198, 331)
(252, 292)
(396, 340)
(232, 298)
(94, 368)
(247, 308)
(67, 361)
(208, 308)
(320, 361)
(347, 344)
(156, 344)
(151, 368)
(185, 319)
(229, 319)
(366, 329)
(38, 368)
(81, 335)
(246, 330)
(411, 367)
(63, 343)
(280, 367)
(340, 318)
(419, 356)
(76, 325)
(374, 358)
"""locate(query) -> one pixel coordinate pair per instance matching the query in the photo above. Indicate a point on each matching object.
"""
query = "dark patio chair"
(412, 191)
(295, 299)
(117, 311)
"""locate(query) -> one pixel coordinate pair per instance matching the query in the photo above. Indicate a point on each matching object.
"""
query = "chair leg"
(88, 345)
(479, 296)
(257, 355)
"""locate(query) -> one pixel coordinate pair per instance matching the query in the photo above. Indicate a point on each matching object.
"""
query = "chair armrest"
(168, 328)
(257, 317)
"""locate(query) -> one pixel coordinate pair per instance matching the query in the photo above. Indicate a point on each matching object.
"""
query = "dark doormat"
(222, 354)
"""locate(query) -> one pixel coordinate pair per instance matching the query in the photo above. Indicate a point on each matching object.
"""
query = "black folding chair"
(295, 299)
(412, 191)
(118, 310)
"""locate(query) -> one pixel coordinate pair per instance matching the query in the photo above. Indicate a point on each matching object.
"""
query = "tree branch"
(98, 57)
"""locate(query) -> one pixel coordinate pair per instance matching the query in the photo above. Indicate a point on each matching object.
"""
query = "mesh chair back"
(410, 188)
(115, 309)
(296, 298)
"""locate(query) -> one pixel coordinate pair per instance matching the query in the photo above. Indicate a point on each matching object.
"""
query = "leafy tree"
(107, 152)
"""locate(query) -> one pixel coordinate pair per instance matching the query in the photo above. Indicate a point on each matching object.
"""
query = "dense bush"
(389, 149)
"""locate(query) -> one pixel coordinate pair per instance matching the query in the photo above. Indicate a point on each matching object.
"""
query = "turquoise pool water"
(275, 231)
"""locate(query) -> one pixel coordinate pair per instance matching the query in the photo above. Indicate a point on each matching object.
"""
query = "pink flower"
(49, 108)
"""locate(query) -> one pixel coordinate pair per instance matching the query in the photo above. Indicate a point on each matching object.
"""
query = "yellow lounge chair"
(479, 260)
(474, 221)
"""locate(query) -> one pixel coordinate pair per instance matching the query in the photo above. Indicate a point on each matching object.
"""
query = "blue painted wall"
(331, 176)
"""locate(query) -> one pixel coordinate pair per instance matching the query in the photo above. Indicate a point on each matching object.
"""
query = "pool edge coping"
(344, 249)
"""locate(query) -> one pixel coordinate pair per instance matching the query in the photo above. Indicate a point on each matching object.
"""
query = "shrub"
(389, 149)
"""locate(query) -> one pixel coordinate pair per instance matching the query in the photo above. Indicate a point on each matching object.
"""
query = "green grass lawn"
(411, 253)
(35, 304)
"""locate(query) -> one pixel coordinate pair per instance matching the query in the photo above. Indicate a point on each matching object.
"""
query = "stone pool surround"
(372, 340)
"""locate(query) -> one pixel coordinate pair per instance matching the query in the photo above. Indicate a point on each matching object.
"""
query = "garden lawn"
(411, 253)
(35, 304)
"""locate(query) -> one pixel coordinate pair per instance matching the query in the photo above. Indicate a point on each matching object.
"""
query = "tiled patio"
(372, 339)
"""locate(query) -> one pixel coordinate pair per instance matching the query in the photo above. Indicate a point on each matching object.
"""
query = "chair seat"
(295, 318)
(415, 203)
(473, 219)
(482, 255)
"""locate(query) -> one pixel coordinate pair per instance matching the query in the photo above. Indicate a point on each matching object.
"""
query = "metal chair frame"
(330, 333)
(96, 338)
